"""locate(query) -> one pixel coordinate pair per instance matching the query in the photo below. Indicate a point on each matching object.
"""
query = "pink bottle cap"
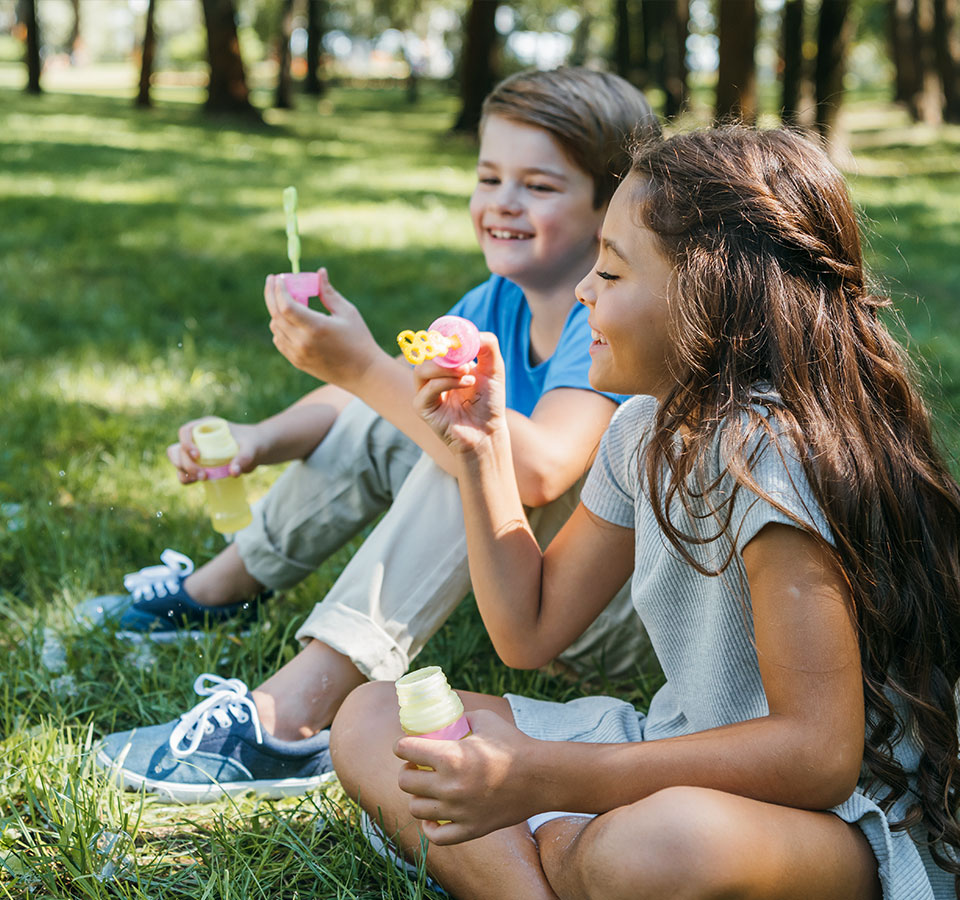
(469, 337)
(302, 285)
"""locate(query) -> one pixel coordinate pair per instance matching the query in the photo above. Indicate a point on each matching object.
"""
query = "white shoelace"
(158, 581)
(225, 697)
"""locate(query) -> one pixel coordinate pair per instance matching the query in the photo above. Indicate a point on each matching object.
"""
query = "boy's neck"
(549, 309)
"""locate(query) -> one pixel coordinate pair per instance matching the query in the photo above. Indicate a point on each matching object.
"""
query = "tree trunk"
(737, 71)
(622, 63)
(928, 102)
(653, 42)
(676, 29)
(792, 43)
(148, 52)
(283, 98)
(833, 38)
(74, 35)
(901, 52)
(476, 70)
(948, 56)
(313, 83)
(581, 39)
(227, 90)
(28, 14)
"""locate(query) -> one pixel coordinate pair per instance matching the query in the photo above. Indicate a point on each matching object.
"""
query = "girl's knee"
(363, 732)
(674, 843)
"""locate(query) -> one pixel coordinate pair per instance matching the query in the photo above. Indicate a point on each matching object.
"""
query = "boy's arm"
(290, 434)
(552, 448)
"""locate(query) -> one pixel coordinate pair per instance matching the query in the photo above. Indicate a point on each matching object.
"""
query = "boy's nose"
(508, 199)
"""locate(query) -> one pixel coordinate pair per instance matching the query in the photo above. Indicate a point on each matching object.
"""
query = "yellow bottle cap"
(214, 440)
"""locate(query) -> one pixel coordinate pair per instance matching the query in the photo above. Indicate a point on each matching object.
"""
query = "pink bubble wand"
(450, 341)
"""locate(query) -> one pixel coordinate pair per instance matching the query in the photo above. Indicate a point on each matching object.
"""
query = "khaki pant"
(411, 571)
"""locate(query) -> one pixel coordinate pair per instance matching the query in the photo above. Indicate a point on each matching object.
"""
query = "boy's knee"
(367, 719)
(675, 843)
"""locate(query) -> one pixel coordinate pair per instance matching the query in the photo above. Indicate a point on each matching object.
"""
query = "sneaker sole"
(172, 637)
(271, 788)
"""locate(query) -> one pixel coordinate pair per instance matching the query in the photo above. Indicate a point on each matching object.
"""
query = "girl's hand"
(480, 783)
(467, 405)
(185, 455)
(337, 348)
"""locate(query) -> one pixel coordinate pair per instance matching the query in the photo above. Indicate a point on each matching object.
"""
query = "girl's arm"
(551, 448)
(806, 753)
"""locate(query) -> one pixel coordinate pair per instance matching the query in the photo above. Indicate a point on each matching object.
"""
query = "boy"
(552, 148)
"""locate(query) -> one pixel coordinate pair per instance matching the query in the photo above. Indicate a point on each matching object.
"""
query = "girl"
(793, 537)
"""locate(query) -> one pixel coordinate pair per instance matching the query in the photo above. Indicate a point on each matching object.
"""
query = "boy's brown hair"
(593, 116)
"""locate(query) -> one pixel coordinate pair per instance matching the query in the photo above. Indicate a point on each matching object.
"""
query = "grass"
(132, 252)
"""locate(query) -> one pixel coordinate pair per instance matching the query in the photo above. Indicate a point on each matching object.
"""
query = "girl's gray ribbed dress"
(702, 633)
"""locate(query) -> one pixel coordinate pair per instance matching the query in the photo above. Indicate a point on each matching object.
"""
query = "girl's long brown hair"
(771, 290)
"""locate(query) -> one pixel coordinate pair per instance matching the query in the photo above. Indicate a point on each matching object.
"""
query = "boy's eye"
(543, 188)
(607, 276)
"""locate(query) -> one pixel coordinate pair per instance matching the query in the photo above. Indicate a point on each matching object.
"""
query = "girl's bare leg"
(502, 865)
(687, 842)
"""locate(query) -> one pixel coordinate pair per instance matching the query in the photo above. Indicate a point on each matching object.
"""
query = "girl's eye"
(489, 179)
(606, 276)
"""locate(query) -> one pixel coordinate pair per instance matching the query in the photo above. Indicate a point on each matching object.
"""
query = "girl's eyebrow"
(607, 244)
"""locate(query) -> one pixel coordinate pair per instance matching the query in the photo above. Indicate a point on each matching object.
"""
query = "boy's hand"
(466, 405)
(185, 455)
(337, 348)
(480, 783)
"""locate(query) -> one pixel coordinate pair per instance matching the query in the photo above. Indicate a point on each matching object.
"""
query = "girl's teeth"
(597, 336)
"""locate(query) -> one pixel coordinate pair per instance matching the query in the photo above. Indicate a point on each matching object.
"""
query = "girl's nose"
(584, 292)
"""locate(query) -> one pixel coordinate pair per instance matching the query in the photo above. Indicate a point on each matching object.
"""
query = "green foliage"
(132, 254)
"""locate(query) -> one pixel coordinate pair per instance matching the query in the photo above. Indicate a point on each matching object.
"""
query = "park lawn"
(133, 247)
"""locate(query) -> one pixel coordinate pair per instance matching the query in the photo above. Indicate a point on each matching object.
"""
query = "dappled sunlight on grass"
(132, 256)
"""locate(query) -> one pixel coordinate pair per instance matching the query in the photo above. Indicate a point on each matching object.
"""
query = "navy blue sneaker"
(216, 749)
(157, 605)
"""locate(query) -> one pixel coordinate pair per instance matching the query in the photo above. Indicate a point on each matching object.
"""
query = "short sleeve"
(781, 493)
(613, 483)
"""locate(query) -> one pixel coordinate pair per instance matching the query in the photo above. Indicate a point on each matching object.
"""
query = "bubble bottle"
(226, 496)
(430, 708)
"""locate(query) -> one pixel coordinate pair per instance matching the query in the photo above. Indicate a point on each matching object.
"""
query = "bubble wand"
(450, 341)
(293, 233)
(300, 285)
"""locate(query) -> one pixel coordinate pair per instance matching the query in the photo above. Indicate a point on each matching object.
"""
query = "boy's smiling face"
(532, 208)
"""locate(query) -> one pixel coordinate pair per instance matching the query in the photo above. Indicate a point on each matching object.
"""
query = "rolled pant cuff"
(369, 647)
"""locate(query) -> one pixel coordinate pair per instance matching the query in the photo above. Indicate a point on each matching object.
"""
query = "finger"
(489, 358)
(332, 300)
(421, 751)
(447, 833)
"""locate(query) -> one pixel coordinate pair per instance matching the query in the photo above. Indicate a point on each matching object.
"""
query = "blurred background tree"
(789, 59)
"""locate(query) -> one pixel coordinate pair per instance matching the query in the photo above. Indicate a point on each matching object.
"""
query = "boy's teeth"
(508, 235)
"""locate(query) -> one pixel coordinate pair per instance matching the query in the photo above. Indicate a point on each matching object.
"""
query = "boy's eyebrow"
(532, 170)
(607, 244)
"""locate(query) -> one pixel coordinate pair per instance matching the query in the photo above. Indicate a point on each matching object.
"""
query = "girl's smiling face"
(532, 208)
(629, 294)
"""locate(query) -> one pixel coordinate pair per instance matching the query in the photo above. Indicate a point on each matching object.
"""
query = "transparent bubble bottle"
(429, 707)
(226, 495)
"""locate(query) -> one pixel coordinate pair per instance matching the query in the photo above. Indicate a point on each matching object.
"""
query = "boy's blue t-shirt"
(498, 305)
